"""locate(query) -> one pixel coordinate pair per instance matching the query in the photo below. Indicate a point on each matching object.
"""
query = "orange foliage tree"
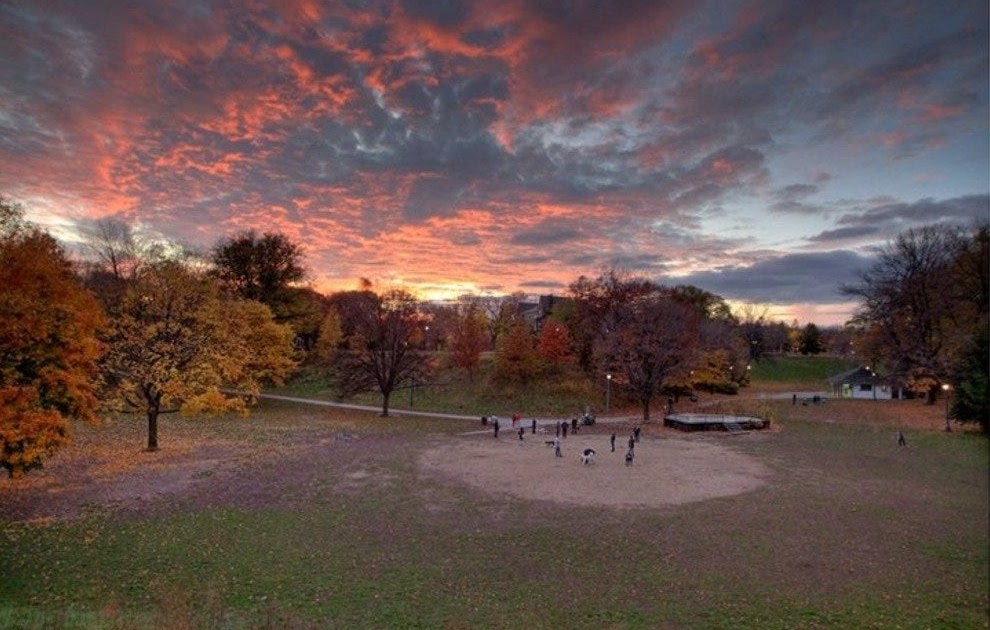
(177, 342)
(554, 346)
(468, 340)
(515, 356)
(48, 345)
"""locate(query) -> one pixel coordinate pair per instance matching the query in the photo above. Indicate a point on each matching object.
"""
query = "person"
(563, 427)
(900, 439)
(534, 426)
(515, 419)
(574, 425)
(636, 433)
(556, 447)
(630, 455)
(632, 442)
(495, 426)
(793, 399)
(521, 431)
(612, 441)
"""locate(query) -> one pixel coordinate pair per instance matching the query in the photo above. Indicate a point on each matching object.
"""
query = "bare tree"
(384, 345)
(116, 246)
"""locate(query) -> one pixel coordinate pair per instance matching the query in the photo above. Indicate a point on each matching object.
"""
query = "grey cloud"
(813, 278)
(846, 234)
(898, 216)
(549, 232)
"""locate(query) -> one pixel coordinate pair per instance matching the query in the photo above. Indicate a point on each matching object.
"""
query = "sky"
(759, 150)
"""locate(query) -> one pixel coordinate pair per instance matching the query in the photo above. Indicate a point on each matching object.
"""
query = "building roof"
(857, 376)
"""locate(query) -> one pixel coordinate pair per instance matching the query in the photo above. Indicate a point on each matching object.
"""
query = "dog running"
(588, 456)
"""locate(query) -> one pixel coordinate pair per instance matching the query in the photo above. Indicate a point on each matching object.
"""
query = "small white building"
(865, 384)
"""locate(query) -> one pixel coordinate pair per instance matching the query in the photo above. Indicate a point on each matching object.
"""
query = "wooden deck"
(714, 422)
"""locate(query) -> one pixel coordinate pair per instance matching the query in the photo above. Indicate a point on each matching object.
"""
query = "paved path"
(504, 421)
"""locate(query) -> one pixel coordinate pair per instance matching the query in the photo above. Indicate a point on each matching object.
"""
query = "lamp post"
(608, 391)
(946, 388)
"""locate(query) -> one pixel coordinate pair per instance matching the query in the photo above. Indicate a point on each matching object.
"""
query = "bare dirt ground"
(105, 467)
(665, 471)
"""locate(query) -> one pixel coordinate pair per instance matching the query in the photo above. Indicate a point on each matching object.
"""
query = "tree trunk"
(646, 410)
(385, 405)
(153, 428)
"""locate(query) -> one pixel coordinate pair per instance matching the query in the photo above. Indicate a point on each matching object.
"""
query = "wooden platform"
(714, 422)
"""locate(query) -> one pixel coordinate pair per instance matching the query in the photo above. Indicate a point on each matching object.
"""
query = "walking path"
(505, 422)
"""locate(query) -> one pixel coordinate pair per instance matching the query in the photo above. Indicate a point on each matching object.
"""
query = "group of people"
(561, 430)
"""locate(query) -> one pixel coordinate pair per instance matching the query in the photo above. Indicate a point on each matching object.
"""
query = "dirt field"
(691, 470)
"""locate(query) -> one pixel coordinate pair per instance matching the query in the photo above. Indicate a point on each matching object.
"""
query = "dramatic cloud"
(792, 279)
(463, 145)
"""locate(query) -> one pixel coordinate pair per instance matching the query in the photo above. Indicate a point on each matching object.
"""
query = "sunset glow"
(757, 150)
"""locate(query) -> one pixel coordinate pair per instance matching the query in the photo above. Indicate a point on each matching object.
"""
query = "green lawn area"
(809, 371)
(302, 518)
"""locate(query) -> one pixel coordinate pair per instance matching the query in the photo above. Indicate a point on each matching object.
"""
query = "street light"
(946, 388)
(608, 391)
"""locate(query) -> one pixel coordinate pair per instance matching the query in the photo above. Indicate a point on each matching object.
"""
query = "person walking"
(556, 447)
(612, 442)
(636, 433)
(563, 427)
(521, 431)
(495, 426)
(534, 426)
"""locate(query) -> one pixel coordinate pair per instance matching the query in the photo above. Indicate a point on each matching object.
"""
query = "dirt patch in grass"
(665, 471)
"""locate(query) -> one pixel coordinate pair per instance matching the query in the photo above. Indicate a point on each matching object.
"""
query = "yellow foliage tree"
(48, 345)
(177, 343)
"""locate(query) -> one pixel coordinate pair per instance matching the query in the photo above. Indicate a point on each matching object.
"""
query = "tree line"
(146, 327)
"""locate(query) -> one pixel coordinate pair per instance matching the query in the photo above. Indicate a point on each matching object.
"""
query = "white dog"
(588, 456)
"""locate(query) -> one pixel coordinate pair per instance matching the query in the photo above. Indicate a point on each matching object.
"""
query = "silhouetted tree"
(810, 340)
(264, 268)
(383, 337)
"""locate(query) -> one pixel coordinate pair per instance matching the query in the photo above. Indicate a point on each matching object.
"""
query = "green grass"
(801, 370)
(452, 391)
(851, 533)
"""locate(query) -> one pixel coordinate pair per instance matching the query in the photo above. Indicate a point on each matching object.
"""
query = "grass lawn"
(299, 518)
(797, 372)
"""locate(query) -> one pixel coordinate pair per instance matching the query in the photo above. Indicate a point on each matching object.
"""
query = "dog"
(630, 455)
(588, 456)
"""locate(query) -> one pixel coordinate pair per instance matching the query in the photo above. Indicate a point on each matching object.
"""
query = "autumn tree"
(48, 344)
(383, 336)
(500, 312)
(594, 300)
(330, 336)
(176, 342)
(469, 339)
(911, 310)
(649, 342)
(553, 346)
(515, 357)
(266, 268)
